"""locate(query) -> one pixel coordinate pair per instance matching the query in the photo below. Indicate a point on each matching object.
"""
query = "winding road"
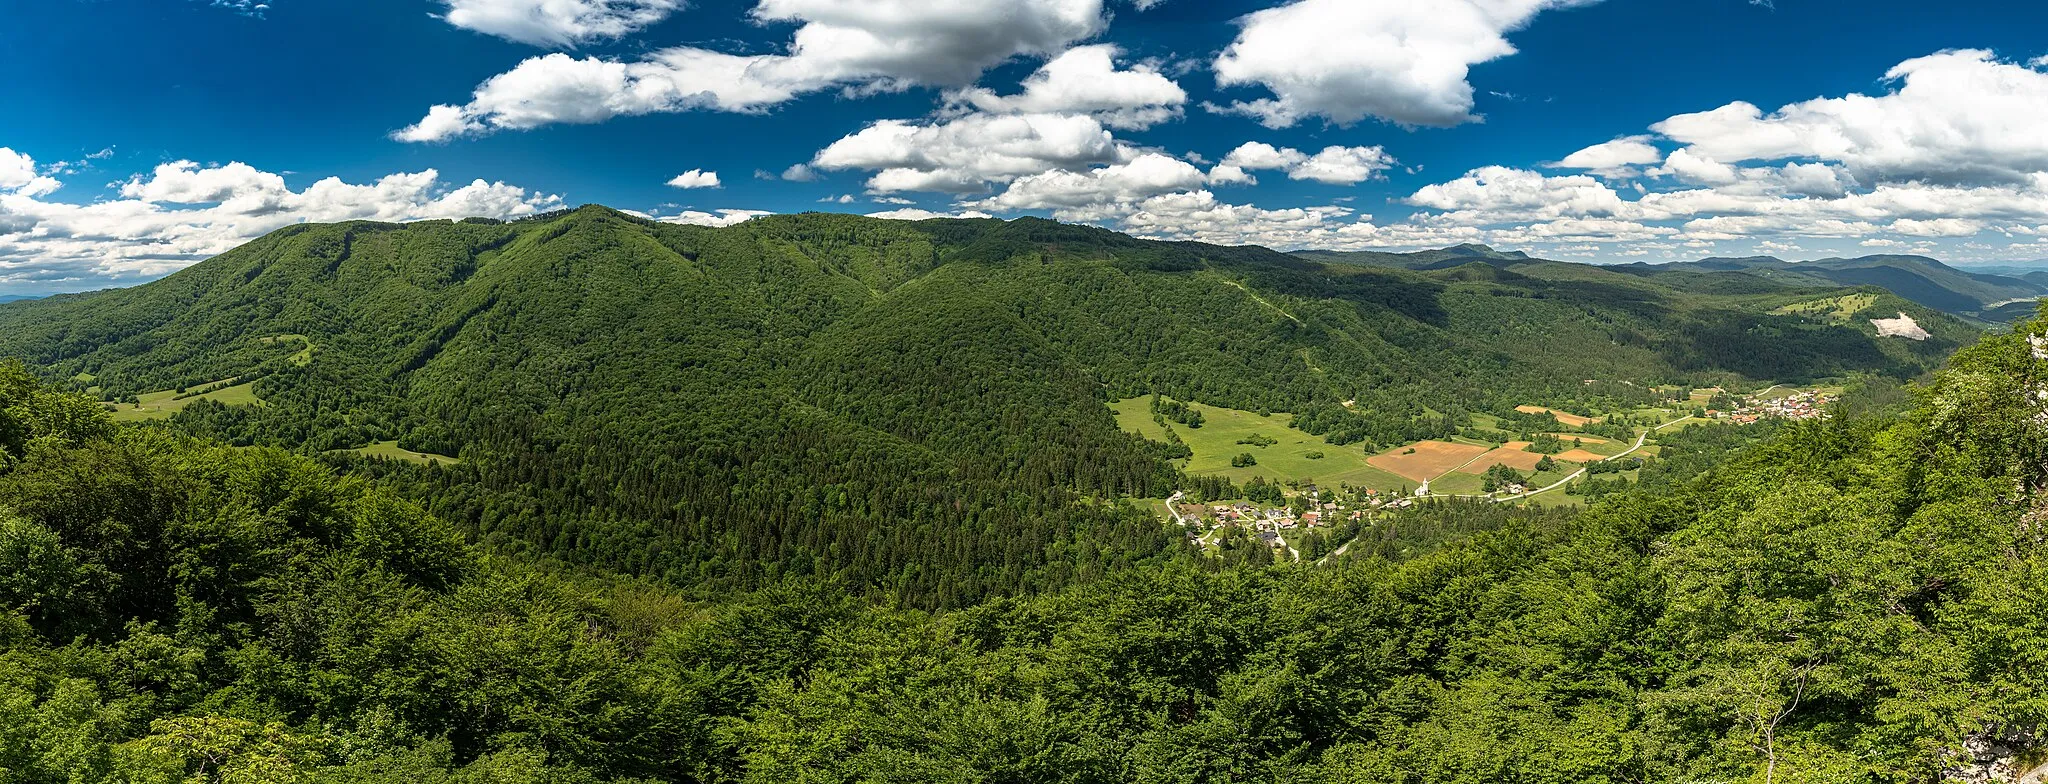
(1582, 472)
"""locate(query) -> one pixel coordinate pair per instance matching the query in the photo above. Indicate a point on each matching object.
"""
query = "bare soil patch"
(1511, 456)
(1569, 420)
(1430, 459)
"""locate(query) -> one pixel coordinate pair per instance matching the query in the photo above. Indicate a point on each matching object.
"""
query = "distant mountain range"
(1446, 258)
(1983, 295)
(16, 297)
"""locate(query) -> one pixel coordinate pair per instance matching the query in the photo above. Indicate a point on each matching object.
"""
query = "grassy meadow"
(389, 450)
(164, 404)
(1216, 442)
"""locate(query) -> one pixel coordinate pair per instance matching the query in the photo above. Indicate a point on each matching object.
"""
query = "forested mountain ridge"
(1854, 601)
(1441, 258)
(1981, 296)
(915, 408)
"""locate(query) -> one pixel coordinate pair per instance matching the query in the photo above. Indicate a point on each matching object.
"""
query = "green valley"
(591, 498)
(1023, 392)
(341, 633)
(721, 407)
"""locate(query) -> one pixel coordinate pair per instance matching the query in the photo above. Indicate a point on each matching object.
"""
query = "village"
(1271, 524)
(1801, 405)
(1452, 468)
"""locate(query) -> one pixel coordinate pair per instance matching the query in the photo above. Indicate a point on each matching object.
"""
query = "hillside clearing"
(1835, 309)
(165, 404)
(389, 450)
(1286, 459)
(302, 357)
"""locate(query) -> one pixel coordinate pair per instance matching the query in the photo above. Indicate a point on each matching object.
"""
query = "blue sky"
(140, 136)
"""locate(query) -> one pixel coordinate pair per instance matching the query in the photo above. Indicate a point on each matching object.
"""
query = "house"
(1311, 518)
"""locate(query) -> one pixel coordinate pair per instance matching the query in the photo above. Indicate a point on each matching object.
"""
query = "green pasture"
(164, 404)
(1216, 442)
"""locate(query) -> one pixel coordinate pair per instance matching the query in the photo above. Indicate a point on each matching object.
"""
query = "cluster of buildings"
(1268, 521)
(1801, 405)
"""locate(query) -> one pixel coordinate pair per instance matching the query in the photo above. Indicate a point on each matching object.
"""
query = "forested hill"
(1862, 599)
(1977, 295)
(914, 408)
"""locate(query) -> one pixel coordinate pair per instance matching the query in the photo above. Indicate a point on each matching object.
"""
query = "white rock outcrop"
(1994, 758)
(1902, 327)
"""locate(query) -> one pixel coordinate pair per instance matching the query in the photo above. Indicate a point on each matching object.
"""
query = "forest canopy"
(1849, 601)
(915, 410)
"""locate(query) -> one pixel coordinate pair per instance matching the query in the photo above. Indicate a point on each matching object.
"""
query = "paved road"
(1170, 501)
(1341, 550)
(1640, 440)
(1582, 472)
(1672, 422)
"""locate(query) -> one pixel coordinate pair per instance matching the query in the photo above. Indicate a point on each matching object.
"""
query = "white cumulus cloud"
(183, 212)
(718, 219)
(1403, 61)
(1145, 176)
(557, 22)
(18, 175)
(1334, 165)
(1691, 167)
(869, 46)
(1955, 117)
(917, 214)
(965, 154)
(1086, 80)
(695, 178)
(1617, 158)
(1954, 149)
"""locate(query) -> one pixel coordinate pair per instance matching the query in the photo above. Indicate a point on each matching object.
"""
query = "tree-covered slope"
(1855, 601)
(1418, 260)
(913, 407)
(1919, 279)
(1987, 298)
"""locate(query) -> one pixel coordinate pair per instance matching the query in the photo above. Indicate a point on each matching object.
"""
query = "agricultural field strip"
(1581, 472)
(1428, 459)
(1461, 466)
